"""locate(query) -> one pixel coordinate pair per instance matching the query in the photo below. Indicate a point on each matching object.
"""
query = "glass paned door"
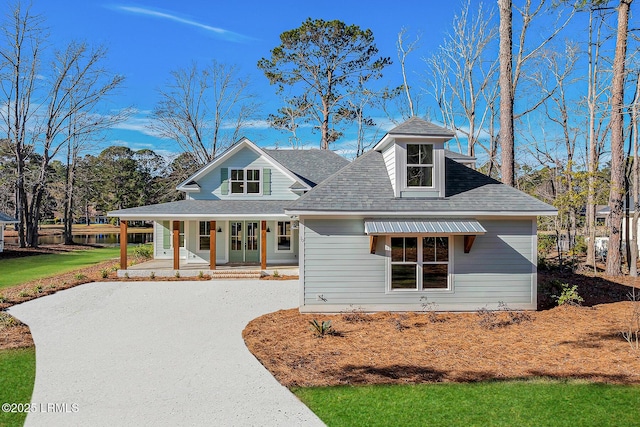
(244, 241)
(251, 253)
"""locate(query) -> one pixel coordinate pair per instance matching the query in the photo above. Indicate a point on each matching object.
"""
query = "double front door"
(244, 244)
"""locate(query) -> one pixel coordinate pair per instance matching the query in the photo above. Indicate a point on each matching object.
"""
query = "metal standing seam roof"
(422, 226)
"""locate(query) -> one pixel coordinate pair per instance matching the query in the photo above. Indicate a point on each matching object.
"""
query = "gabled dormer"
(248, 172)
(414, 155)
(244, 172)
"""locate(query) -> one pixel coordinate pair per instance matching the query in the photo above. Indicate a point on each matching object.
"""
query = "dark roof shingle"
(312, 166)
(418, 126)
(205, 208)
(364, 185)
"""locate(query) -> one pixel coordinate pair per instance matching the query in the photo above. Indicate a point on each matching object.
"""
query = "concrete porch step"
(236, 274)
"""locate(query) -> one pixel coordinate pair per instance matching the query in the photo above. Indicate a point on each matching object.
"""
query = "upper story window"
(419, 165)
(245, 181)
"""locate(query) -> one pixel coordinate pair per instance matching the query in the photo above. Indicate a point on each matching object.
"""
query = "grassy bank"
(24, 269)
(17, 376)
(509, 403)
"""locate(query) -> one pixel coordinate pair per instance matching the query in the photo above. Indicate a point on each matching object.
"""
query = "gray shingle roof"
(364, 186)
(312, 166)
(205, 209)
(7, 218)
(418, 126)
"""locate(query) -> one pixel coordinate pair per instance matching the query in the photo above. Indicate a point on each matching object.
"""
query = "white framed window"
(204, 238)
(419, 263)
(283, 236)
(419, 165)
(169, 239)
(245, 181)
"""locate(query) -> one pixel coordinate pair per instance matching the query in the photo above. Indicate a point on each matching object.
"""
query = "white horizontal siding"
(389, 156)
(245, 158)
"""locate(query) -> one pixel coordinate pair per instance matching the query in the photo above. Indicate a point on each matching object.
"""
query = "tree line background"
(553, 116)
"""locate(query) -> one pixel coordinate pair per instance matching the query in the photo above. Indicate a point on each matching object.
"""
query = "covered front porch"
(202, 235)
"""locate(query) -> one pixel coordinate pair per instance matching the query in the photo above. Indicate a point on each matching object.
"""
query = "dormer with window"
(414, 156)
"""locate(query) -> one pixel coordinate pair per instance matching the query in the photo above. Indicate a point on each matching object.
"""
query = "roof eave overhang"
(194, 217)
(391, 137)
(422, 214)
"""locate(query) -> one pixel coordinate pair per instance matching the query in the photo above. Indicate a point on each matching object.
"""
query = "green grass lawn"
(15, 271)
(510, 403)
(17, 376)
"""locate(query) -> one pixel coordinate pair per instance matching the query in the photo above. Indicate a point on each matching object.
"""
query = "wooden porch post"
(212, 245)
(263, 245)
(176, 245)
(123, 245)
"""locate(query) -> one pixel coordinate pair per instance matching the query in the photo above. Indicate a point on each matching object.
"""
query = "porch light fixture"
(219, 230)
(268, 230)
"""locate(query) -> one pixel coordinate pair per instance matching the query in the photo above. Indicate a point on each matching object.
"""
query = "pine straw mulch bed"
(582, 342)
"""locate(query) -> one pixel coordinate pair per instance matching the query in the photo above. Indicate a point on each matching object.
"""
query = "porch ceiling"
(207, 210)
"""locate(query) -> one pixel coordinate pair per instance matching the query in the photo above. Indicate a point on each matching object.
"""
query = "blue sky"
(148, 39)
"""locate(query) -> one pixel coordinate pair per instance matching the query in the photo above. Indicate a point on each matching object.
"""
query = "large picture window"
(245, 181)
(419, 165)
(419, 263)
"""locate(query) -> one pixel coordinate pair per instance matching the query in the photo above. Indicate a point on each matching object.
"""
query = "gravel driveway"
(157, 353)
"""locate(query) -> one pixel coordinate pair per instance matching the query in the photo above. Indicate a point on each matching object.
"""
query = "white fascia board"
(281, 168)
(213, 164)
(399, 137)
(193, 217)
(244, 142)
(421, 214)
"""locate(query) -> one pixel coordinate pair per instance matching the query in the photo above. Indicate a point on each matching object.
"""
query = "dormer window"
(419, 165)
(245, 181)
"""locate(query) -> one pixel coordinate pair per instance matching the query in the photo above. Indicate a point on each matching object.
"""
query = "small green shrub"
(152, 275)
(580, 247)
(177, 274)
(126, 275)
(143, 251)
(3, 299)
(569, 295)
(80, 276)
(104, 273)
(546, 243)
(276, 274)
(37, 289)
(200, 274)
(7, 321)
(320, 330)
(24, 294)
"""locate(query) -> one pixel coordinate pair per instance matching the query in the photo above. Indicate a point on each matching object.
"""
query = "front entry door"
(244, 241)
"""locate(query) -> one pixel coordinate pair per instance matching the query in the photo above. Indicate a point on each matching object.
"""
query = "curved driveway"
(157, 353)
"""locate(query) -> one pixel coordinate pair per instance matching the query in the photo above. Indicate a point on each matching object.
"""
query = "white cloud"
(226, 34)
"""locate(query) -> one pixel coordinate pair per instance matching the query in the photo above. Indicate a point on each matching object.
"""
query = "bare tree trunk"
(633, 266)
(506, 93)
(68, 192)
(402, 55)
(614, 261)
